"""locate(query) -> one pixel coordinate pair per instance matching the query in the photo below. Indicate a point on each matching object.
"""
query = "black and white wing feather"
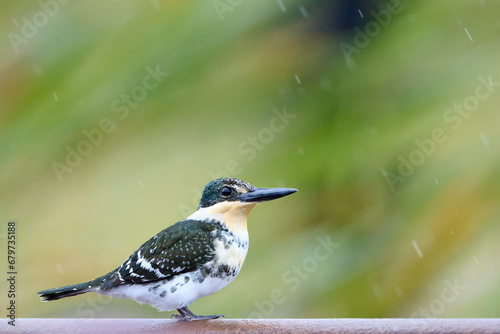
(180, 248)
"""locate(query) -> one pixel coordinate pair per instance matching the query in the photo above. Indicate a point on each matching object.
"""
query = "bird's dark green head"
(234, 190)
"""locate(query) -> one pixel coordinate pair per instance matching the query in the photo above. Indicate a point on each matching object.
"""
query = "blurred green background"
(114, 115)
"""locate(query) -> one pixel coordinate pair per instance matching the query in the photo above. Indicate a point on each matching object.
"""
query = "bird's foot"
(187, 315)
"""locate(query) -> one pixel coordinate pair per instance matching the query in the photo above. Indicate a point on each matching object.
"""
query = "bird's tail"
(65, 291)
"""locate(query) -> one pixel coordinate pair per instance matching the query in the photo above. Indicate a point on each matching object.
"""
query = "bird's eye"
(225, 191)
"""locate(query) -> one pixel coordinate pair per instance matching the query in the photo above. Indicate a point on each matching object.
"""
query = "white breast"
(176, 293)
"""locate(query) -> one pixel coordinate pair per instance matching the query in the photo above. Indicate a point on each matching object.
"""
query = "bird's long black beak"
(265, 194)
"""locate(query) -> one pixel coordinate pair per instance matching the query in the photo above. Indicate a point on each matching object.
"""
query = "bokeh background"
(384, 115)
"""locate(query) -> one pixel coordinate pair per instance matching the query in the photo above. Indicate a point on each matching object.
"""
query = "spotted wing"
(182, 247)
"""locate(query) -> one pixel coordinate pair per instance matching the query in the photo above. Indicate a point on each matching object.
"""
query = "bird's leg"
(185, 314)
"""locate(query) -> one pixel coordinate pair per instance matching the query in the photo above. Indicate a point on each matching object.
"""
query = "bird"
(188, 260)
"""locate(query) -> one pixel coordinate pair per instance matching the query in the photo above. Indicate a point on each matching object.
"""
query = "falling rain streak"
(468, 35)
(304, 11)
(282, 6)
(417, 249)
(484, 140)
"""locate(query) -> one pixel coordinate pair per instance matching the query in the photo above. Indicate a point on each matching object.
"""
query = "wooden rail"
(75, 326)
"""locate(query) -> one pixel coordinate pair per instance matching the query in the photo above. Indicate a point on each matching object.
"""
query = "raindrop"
(417, 249)
(490, 81)
(282, 6)
(484, 140)
(297, 78)
(55, 96)
(468, 34)
(475, 260)
(59, 268)
(360, 14)
(304, 11)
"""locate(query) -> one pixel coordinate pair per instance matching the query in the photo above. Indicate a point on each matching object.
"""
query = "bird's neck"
(233, 214)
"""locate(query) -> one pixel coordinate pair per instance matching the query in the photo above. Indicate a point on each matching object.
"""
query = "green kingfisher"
(190, 259)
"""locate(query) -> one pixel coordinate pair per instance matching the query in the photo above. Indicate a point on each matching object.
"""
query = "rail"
(75, 326)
